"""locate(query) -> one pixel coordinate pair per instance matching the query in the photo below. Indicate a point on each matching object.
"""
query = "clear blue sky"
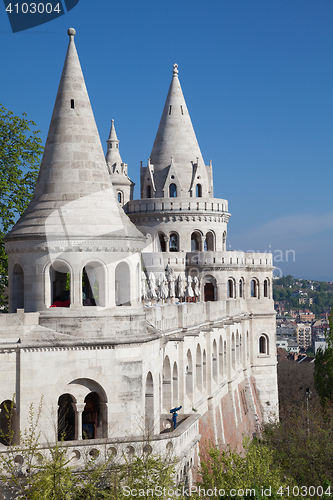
(257, 76)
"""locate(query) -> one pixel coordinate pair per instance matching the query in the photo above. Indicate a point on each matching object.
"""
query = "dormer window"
(172, 191)
(199, 191)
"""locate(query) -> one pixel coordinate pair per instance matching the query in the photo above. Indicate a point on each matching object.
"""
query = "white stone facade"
(196, 326)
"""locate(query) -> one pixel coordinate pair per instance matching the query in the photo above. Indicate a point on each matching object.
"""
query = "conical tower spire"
(117, 169)
(113, 154)
(74, 195)
(175, 138)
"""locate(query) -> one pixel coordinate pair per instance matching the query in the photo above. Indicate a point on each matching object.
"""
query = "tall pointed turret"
(74, 194)
(113, 153)
(74, 232)
(118, 169)
(176, 139)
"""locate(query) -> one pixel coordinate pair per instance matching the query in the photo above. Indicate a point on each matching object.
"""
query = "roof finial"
(71, 32)
(175, 69)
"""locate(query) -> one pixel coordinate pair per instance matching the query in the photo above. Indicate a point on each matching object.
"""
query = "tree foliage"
(323, 369)
(253, 471)
(20, 150)
(302, 443)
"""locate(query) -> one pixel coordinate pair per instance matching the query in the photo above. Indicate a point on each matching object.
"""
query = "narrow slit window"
(181, 109)
(170, 110)
(72, 103)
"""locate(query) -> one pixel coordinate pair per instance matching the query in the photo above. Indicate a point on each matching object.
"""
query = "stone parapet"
(160, 205)
(179, 444)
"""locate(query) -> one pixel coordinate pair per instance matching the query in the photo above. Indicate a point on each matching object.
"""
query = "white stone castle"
(122, 309)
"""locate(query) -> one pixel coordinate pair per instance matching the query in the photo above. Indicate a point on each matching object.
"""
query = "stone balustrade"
(226, 259)
(211, 205)
(167, 444)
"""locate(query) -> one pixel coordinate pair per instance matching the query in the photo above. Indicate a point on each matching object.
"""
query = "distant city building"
(303, 333)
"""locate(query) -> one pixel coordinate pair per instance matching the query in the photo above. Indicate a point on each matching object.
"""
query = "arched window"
(172, 191)
(93, 284)
(225, 357)
(149, 404)
(122, 285)
(198, 369)
(224, 241)
(231, 289)
(162, 242)
(120, 196)
(241, 288)
(9, 423)
(209, 288)
(166, 384)
(266, 288)
(214, 361)
(221, 357)
(17, 289)
(233, 351)
(204, 369)
(263, 344)
(175, 385)
(66, 418)
(209, 242)
(237, 347)
(60, 284)
(240, 349)
(173, 242)
(198, 191)
(195, 242)
(148, 191)
(91, 417)
(254, 288)
(189, 376)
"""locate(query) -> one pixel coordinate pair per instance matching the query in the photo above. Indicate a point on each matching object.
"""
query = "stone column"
(103, 431)
(78, 408)
(221, 290)
(76, 291)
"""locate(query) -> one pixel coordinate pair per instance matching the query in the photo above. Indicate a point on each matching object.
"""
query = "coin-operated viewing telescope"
(175, 415)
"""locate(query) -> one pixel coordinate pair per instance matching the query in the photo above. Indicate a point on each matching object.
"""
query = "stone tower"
(177, 210)
(74, 238)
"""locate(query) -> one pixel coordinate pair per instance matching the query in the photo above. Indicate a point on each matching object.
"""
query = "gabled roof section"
(172, 178)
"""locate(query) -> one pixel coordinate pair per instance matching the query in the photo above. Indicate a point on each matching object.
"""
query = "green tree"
(20, 150)
(302, 443)
(323, 367)
(249, 474)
